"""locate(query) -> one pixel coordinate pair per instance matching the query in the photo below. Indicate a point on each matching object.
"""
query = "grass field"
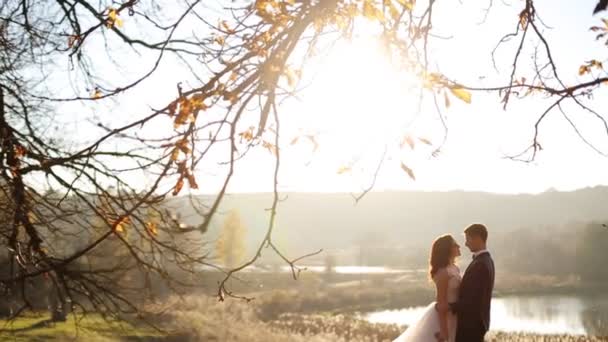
(34, 328)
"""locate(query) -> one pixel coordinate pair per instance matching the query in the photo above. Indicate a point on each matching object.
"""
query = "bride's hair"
(441, 252)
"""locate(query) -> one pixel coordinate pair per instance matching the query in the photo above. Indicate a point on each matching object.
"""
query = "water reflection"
(577, 315)
(544, 315)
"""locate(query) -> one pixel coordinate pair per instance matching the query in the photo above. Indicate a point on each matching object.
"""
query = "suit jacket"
(473, 306)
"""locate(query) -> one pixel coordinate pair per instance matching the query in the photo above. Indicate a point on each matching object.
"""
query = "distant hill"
(406, 221)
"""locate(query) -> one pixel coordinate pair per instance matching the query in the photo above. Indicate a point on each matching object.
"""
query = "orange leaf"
(20, 151)
(408, 140)
(233, 76)
(314, 142)
(226, 27)
(408, 171)
(72, 39)
(270, 147)
(192, 181)
(172, 108)
(425, 141)
(183, 146)
(97, 94)
(178, 186)
(523, 19)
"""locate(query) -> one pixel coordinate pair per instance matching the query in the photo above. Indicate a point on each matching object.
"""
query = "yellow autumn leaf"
(32, 217)
(343, 170)
(447, 100)
(596, 63)
(175, 154)
(112, 15)
(408, 4)
(119, 228)
(292, 77)
(393, 11)
(120, 225)
(583, 69)
(369, 11)
(152, 228)
(220, 40)
(461, 93)
(113, 19)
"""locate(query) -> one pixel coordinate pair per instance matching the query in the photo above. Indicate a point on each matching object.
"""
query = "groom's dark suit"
(473, 306)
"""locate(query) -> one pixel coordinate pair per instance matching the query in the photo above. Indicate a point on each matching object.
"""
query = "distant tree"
(231, 242)
(591, 253)
(330, 266)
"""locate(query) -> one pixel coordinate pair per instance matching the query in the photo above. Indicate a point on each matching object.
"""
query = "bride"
(438, 323)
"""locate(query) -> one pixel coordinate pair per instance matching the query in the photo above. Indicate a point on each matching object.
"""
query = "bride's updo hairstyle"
(440, 253)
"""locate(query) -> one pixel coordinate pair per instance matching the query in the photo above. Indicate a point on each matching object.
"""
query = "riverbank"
(203, 318)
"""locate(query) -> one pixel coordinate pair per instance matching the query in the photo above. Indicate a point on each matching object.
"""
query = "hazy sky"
(357, 102)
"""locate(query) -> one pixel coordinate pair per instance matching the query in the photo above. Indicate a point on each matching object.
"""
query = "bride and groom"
(461, 312)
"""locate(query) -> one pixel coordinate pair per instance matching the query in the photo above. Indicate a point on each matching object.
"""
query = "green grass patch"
(37, 327)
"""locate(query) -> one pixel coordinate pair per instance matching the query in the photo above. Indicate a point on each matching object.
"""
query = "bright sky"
(357, 102)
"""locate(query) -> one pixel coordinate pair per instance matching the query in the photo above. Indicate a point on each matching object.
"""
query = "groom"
(473, 305)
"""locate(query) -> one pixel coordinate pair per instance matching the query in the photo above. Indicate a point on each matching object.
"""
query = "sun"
(359, 104)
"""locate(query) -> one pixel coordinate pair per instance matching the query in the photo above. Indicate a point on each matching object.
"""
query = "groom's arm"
(471, 294)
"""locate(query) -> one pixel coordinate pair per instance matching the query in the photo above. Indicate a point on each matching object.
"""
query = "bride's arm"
(441, 282)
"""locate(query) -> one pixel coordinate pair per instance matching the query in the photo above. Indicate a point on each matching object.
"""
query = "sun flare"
(360, 103)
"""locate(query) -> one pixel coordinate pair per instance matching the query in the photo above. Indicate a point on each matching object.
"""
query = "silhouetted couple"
(461, 312)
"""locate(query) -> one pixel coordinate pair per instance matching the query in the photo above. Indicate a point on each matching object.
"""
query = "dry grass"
(525, 337)
(202, 318)
(345, 327)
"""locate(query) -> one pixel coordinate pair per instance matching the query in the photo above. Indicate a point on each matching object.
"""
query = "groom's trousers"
(470, 333)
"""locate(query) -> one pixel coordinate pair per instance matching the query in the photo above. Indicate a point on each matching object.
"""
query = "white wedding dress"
(427, 326)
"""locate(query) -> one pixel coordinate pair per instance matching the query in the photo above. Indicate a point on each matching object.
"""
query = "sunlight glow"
(358, 102)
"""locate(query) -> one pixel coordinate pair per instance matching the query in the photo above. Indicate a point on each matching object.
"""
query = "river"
(545, 314)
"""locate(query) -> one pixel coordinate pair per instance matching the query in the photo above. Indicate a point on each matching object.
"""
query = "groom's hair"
(477, 229)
